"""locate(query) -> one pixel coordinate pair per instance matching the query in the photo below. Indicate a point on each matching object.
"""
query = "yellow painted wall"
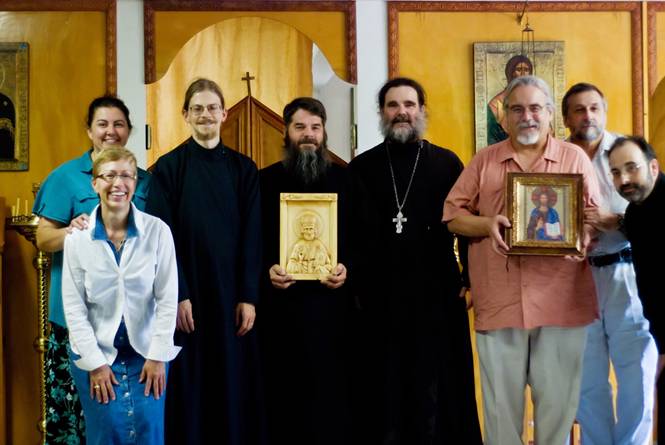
(67, 69)
(657, 123)
(326, 29)
(437, 49)
(660, 46)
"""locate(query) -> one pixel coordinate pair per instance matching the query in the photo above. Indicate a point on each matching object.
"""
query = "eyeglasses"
(630, 169)
(519, 110)
(198, 110)
(111, 176)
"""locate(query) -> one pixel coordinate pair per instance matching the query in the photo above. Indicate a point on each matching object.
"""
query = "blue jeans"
(132, 418)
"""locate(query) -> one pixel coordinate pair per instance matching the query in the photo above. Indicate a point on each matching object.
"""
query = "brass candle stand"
(26, 226)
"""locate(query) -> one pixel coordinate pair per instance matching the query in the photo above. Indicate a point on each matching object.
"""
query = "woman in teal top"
(63, 204)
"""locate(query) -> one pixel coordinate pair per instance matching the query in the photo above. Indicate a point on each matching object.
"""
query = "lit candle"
(13, 211)
(18, 206)
(26, 207)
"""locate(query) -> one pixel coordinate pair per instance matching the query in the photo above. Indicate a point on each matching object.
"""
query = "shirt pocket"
(84, 202)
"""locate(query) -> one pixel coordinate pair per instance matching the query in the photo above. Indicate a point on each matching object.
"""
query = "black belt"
(623, 256)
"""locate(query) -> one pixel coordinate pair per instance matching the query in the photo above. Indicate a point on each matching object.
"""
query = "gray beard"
(528, 139)
(308, 165)
(404, 135)
(588, 135)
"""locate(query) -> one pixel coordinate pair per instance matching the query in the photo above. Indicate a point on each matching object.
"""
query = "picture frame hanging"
(14, 77)
(495, 64)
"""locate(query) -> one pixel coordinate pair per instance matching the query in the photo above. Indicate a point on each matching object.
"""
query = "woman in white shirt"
(119, 290)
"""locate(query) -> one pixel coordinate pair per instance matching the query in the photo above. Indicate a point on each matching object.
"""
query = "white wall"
(372, 35)
(337, 96)
(131, 88)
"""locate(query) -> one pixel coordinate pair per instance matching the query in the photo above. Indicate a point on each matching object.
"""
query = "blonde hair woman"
(120, 296)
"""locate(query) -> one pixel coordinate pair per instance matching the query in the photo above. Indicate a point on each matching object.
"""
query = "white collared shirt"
(98, 293)
(612, 241)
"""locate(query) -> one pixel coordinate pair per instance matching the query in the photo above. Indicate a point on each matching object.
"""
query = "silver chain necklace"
(399, 218)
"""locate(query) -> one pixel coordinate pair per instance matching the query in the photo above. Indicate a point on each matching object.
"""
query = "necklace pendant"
(398, 220)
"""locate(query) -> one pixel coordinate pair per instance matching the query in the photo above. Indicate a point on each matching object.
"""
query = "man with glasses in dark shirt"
(208, 194)
(637, 177)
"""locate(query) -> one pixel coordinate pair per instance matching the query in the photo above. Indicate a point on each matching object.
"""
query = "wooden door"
(254, 130)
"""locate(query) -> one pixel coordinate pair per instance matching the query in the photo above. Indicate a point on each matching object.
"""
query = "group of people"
(159, 280)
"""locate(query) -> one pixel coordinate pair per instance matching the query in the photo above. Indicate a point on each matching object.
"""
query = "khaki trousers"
(549, 360)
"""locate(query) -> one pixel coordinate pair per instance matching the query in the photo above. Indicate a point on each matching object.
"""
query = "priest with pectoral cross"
(414, 372)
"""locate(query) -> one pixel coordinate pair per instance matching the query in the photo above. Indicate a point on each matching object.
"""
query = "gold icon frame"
(521, 188)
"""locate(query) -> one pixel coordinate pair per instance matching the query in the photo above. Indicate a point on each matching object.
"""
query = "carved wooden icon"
(308, 234)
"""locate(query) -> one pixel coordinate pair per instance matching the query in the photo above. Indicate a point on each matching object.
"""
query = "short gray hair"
(533, 81)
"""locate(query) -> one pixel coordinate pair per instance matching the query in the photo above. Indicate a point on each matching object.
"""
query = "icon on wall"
(495, 64)
(14, 106)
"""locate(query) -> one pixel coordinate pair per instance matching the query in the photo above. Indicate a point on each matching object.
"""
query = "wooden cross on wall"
(248, 79)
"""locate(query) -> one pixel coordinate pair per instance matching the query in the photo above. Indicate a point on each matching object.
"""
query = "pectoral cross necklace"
(399, 219)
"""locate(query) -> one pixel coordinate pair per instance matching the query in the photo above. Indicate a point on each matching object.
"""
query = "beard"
(530, 137)
(634, 192)
(206, 133)
(306, 159)
(402, 135)
(588, 134)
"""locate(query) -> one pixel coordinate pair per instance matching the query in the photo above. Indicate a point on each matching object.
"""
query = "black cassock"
(303, 330)
(414, 381)
(210, 199)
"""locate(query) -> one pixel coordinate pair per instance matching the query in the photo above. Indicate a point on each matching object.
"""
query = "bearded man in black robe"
(303, 323)
(209, 196)
(413, 369)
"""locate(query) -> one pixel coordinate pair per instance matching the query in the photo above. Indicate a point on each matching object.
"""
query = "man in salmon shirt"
(530, 311)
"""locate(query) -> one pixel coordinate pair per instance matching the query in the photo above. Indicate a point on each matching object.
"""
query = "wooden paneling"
(3, 358)
(657, 122)
(187, 17)
(655, 39)
(267, 136)
(72, 60)
(254, 130)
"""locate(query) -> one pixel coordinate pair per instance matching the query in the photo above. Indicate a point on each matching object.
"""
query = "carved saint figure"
(309, 254)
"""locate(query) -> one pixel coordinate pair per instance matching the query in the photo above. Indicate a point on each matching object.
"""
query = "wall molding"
(653, 8)
(152, 6)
